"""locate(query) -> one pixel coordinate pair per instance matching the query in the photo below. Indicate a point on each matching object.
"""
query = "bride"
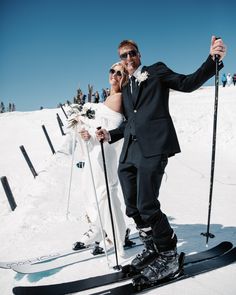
(107, 115)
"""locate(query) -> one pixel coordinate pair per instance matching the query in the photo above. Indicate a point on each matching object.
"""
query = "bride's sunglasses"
(117, 73)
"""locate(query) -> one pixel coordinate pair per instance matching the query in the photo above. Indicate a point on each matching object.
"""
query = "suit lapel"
(128, 96)
(133, 98)
(135, 94)
(138, 90)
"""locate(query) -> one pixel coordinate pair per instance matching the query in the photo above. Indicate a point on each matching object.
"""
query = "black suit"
(142, 162)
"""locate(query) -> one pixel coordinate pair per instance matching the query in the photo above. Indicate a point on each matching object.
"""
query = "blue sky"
(50, 48)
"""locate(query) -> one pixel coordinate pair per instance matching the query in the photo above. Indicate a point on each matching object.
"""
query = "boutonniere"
(79, 110)
(140, 77)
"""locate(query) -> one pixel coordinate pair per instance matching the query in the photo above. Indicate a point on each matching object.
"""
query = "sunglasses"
(131, 53)
(117, 73)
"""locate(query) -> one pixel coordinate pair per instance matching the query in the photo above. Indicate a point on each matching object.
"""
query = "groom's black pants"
(140, 180)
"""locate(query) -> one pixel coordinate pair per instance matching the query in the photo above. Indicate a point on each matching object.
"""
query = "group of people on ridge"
(228, 79)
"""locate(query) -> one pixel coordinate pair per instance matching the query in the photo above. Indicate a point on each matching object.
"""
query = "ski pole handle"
(98, 128)
(216, 55)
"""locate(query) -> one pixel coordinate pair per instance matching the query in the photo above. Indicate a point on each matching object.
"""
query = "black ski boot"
(167, 265)
(78, 246)
(97, 250)
(128, 243)
(148, 254)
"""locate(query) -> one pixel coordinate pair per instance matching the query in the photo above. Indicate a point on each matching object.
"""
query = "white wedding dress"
(108, 119)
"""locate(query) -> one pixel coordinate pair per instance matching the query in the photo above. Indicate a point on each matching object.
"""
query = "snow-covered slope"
(39, 224)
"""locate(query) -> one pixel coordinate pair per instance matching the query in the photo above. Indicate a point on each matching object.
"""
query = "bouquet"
(78, 110)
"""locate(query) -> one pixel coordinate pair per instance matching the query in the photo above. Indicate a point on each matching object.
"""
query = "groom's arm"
(113, 135)
(117, 133)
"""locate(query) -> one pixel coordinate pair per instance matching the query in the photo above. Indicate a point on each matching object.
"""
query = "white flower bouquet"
(78, 110)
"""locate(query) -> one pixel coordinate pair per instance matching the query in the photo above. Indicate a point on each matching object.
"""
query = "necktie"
(133, 85)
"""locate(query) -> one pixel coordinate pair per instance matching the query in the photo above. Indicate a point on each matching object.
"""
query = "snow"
(39, 225)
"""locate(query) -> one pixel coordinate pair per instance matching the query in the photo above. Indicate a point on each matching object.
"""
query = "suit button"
(135, 111)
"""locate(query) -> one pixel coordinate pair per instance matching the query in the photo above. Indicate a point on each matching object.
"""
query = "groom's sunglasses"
(131, 53)
(118, 73)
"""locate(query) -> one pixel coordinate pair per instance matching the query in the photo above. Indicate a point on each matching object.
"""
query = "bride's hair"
(125, 75)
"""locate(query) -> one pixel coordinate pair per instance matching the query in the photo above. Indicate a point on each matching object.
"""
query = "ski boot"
(143, 259)
(78, 246)
(90, 237)
(148, 254)
(167, 266)
(128, 243)
(97, 249)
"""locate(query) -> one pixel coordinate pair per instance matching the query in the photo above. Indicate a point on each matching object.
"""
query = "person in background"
(229, 79)
(234, 79)
(149, 141)
(223, 79)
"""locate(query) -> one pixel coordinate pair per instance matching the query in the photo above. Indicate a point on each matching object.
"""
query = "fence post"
(48, 139)
(60, 125)
(28, 161)
(59, 118)
(63, 111)
(8, 192)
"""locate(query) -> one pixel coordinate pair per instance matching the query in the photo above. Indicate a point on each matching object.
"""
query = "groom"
(149, 140)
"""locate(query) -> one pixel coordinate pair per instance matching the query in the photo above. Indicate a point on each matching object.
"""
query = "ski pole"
(208, 234)
(109, 203)
(97, 204)
(71, 171)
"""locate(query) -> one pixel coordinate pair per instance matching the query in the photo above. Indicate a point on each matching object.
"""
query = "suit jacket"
(148, 113)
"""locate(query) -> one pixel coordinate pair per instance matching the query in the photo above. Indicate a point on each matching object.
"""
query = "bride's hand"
(85, 134)
(102, 134)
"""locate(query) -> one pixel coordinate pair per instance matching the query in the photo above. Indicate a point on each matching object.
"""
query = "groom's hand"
(217, 48)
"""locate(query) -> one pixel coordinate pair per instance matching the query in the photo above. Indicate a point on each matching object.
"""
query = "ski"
(42, 258)
(98, 281)
(187, 272)
(51, 256)
(60, 262)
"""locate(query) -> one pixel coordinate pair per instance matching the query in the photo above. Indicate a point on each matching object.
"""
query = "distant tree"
(84, 98)
(104, 94)
(2, 108)
(9, 107)
(96, 97)
(90, 92)
(79, 97)
(41, 108)
(13, 107)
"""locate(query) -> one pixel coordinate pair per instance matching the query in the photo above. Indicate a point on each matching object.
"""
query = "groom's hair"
(128, 42)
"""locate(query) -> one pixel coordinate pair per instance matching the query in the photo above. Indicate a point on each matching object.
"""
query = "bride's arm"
(89, 137)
